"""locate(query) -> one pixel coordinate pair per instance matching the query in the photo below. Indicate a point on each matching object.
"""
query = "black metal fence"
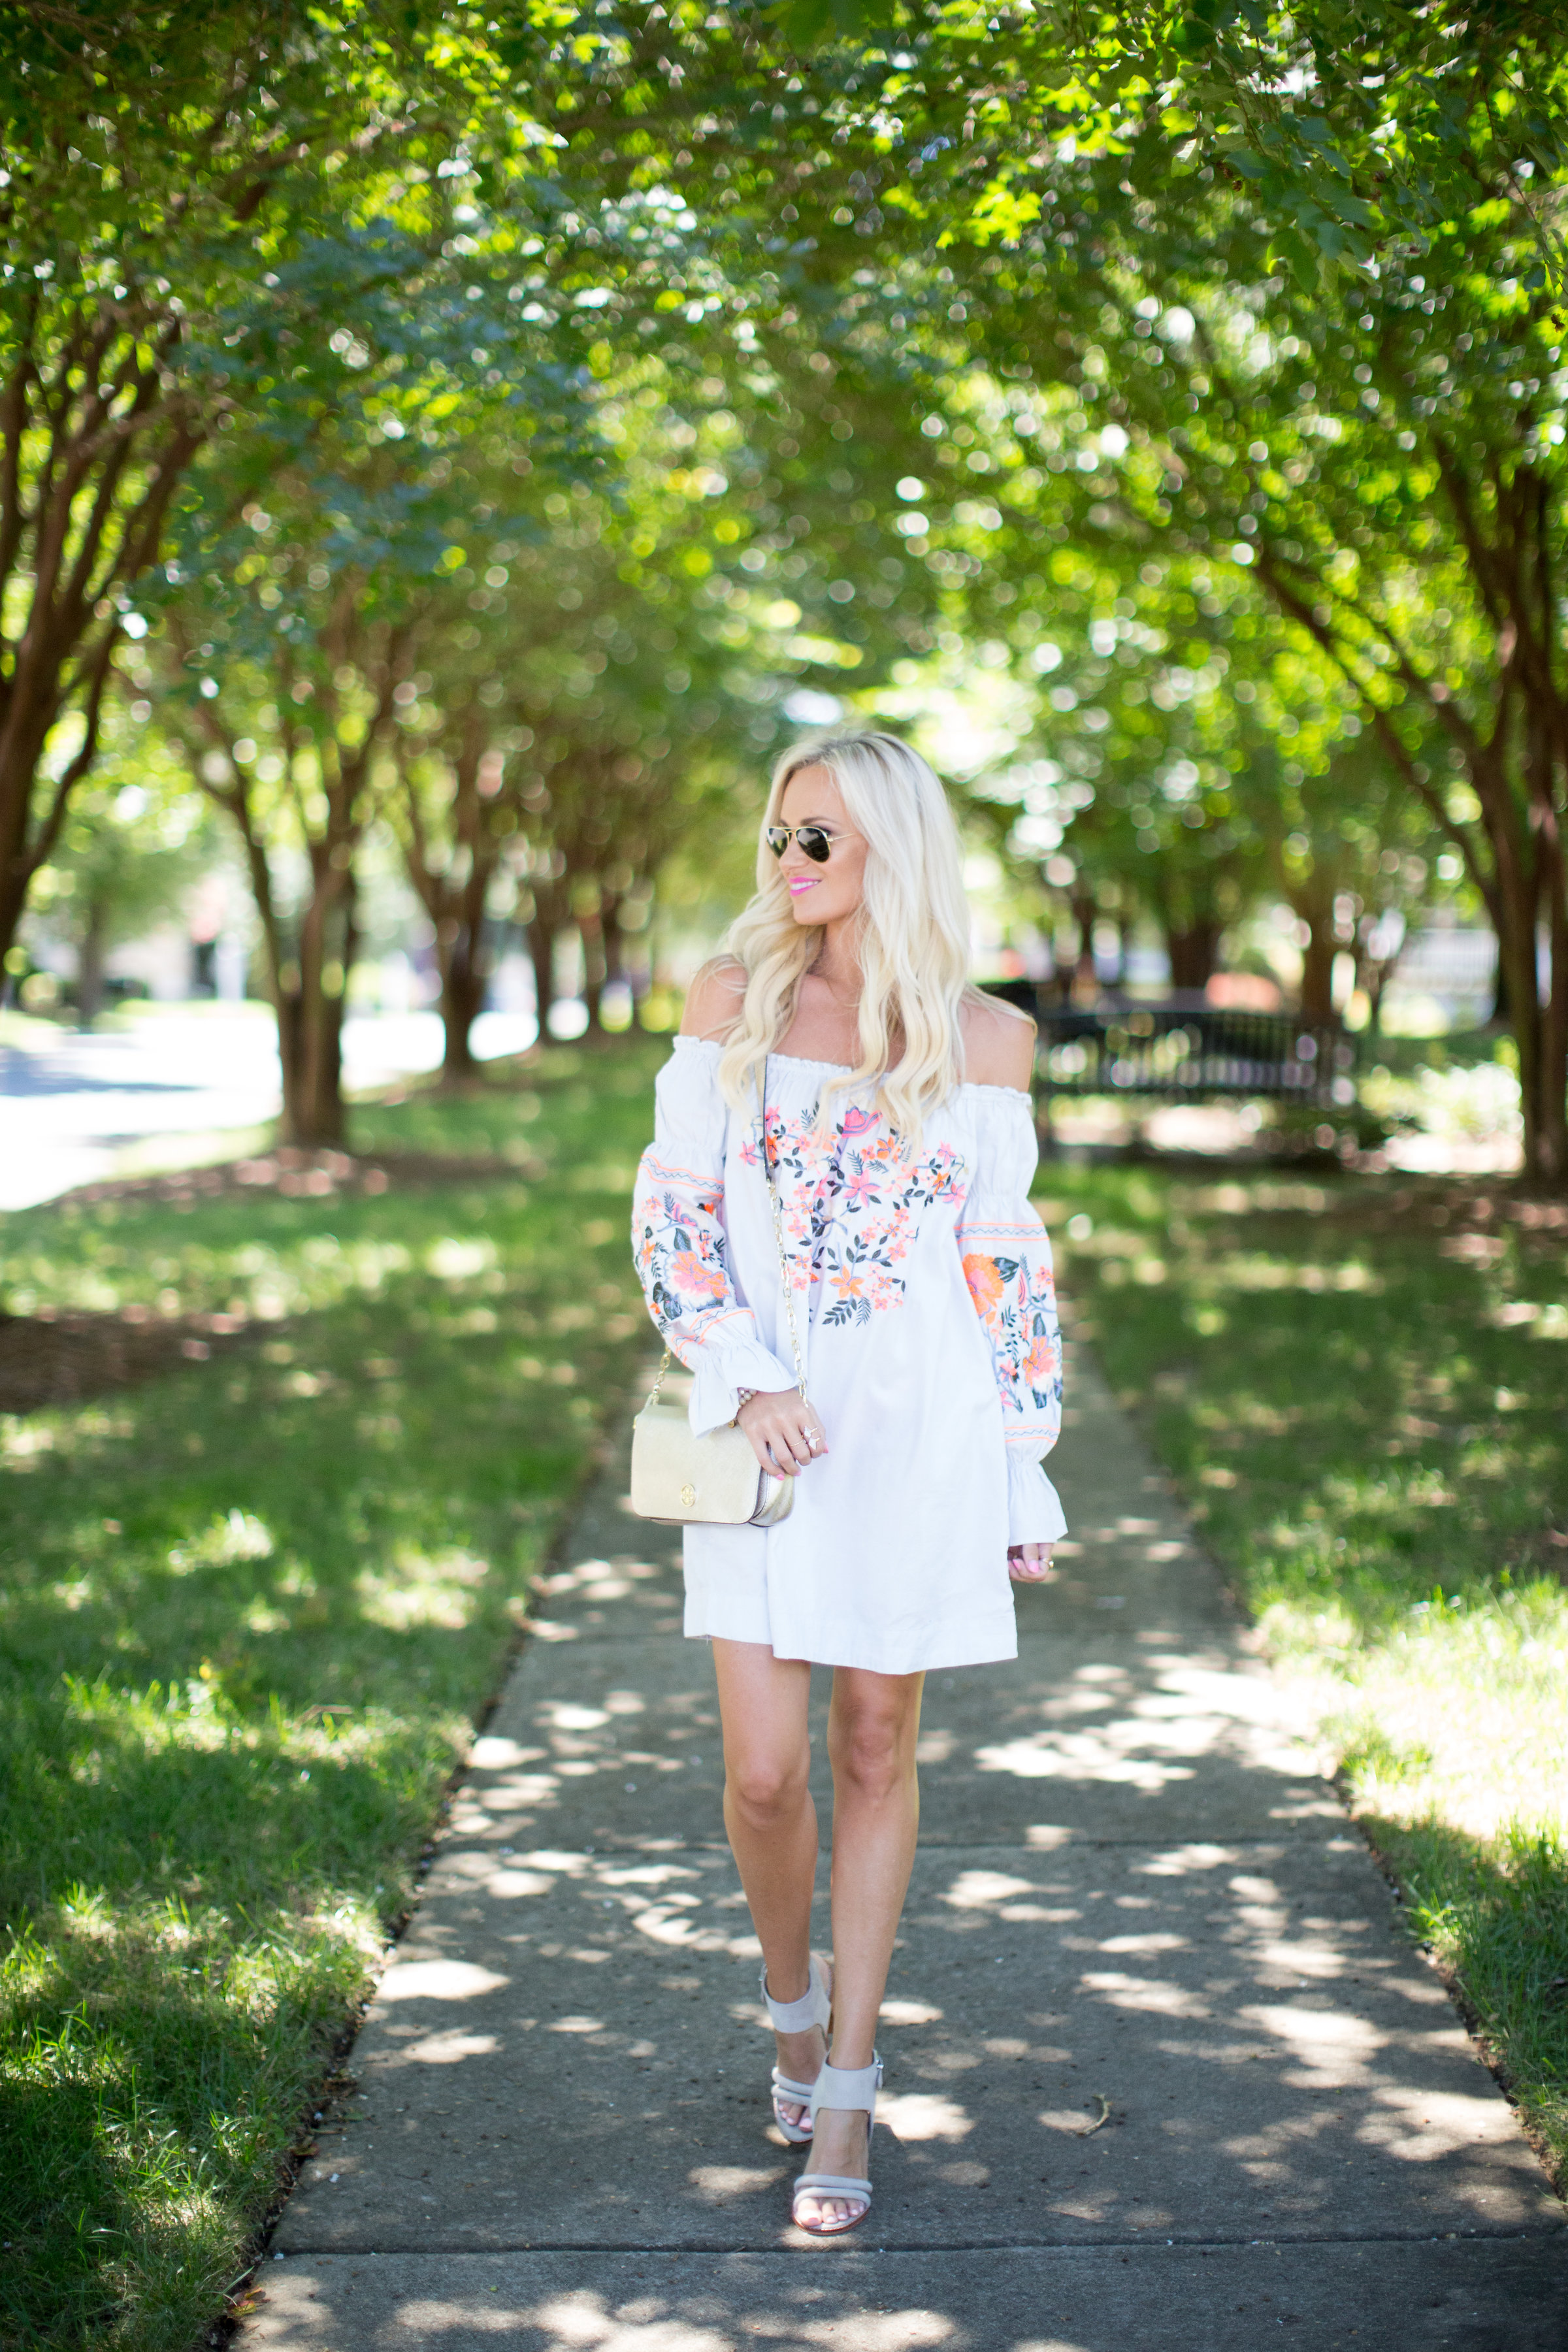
(1186, 1052)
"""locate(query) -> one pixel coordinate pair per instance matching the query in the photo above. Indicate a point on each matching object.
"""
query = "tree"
(166, 167)
(1352, 853)
(1168, 215)
(817, 125)
(1383, 457)
(454, 840)
(282, 646)
(1403, 509)
(287, 749)
(1130, 778)
(132, 843)
(216, 218)
(617, 653)
(536, 743)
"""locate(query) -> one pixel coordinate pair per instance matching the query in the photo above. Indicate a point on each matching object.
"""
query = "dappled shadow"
(1468, 2297)
(248, 1605)
(1496, 1909)
(43, 2189)
(1359, 1382)
(1086, 2047)
(60, 1360)
(1146, 1987)
(117, 2065)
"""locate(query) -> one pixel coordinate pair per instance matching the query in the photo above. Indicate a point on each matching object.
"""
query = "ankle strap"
(813, 2007)
(848, 2086)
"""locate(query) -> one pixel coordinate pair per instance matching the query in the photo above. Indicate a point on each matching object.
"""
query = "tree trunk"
(1540, 1026)
(311, 999)
(543, 933)
(1085, 987)
(454, 882)
(614, 939)
(595, 968)
(1378, 976)
(289, 1008)
(309, 1043)
(1554, 1058)
(462, 994)
(1317, 968)
(1373, 972)
(25, 846)
(1514, 762)
(1193, 950)
(91, 518)
(89, 961)
(1084, 912)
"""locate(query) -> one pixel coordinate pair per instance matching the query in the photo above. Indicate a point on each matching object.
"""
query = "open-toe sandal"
(841, 2086)
(815, 2007)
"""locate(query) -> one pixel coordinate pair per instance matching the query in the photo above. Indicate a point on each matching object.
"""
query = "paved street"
(1162, 2075)
(74, 1108)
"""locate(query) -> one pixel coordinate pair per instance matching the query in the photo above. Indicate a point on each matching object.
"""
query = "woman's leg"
(771, 1822)
(872, 1729)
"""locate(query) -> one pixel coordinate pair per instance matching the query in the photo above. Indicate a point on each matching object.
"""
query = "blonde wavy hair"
(912, 936)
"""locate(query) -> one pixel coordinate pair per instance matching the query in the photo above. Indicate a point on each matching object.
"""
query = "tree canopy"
(1203, 361)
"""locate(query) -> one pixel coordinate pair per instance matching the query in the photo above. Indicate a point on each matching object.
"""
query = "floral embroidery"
(853, 1208)
(849, 1203)
(691, 1278)
(1016, 1299)
(985, 1283)
(679, 1244)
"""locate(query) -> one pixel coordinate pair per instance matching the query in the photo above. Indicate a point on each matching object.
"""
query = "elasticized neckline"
(841, 1069)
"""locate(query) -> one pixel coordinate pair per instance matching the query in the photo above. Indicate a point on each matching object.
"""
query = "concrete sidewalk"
(1161, 2070)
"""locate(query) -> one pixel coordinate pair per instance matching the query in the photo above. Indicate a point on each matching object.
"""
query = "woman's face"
(821, 894)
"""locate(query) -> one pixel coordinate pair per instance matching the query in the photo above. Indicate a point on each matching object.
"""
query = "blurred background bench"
(1182, 1050)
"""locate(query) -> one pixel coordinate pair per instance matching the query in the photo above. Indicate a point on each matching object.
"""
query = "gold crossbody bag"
(714, 1480)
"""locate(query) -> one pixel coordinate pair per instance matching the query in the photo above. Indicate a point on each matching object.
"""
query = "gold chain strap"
(779, 1244)
(667, 1357)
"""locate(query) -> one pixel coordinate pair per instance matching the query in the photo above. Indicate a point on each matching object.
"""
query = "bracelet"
(744, 1396)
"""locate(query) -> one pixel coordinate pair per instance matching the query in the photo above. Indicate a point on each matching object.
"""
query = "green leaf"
(805, 23)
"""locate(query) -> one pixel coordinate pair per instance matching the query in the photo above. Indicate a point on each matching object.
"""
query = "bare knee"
(766, 1788)
(872, 1753)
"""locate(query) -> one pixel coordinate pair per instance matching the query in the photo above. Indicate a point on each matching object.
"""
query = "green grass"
(248, 1613)
(1361, 1386)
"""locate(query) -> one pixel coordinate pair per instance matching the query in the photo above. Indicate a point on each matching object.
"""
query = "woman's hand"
(785, 1433)
(1030, 1563)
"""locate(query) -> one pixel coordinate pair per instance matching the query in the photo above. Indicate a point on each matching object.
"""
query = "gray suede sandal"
(815, 2007)
(841, 2086)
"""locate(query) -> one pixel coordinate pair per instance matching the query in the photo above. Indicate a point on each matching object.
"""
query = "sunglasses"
(816, 841)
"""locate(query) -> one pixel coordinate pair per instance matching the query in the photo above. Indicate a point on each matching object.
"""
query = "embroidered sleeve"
(678, 1241)
(680, 1248)
(1007, 1265)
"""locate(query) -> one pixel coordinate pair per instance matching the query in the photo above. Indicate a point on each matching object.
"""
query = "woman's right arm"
(680, 1248)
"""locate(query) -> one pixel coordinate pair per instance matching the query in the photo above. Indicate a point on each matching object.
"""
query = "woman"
(900, 1136)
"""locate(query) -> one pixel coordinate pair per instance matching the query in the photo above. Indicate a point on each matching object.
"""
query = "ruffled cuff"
(725, 1367)
(1035, 1514)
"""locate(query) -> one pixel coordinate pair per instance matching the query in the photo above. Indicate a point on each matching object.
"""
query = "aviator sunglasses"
(816, 841)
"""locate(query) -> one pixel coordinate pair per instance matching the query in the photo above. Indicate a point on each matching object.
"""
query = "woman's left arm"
(1007, 1264)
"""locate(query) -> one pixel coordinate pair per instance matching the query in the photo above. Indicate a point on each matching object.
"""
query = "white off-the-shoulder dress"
(927, 1318)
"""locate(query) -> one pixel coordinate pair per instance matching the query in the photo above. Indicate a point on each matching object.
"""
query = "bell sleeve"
(1007, 1265)
(681, 1248)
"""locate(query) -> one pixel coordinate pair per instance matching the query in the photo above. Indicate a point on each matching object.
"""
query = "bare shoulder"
(713, 1000)
(998, 1042)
